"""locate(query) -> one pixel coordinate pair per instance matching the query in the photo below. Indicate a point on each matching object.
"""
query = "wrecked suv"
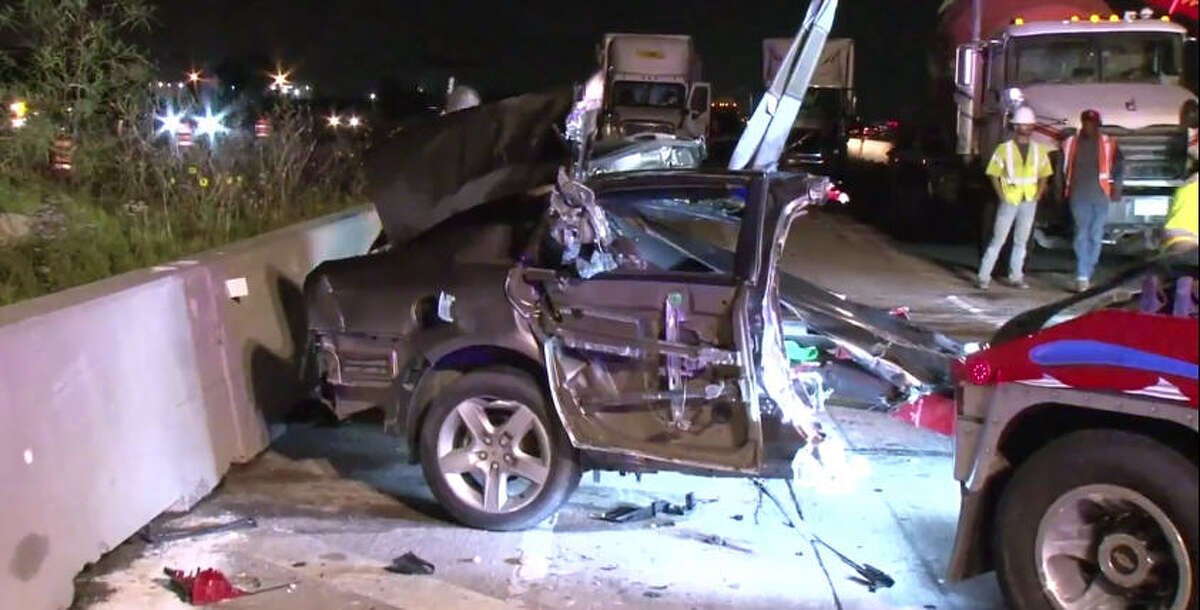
(516, 334)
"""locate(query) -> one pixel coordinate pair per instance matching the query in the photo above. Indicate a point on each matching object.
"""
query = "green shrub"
(134, 198)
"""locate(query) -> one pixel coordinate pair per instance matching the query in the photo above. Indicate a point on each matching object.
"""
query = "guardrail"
(133, 395)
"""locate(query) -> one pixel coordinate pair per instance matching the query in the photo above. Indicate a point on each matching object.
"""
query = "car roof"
(671, 178)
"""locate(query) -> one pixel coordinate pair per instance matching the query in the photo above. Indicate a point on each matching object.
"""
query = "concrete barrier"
(133, 395)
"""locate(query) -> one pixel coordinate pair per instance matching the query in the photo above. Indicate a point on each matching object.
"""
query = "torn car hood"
(433, 170)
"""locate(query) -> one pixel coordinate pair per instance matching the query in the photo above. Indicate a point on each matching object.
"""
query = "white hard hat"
(1024, 116)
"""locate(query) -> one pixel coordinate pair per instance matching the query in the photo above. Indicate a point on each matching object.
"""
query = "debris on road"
(631, 514)
(202, 530)
(209, 586)
(716, 540)
(932, 412)
(409, 563)
(202, 587)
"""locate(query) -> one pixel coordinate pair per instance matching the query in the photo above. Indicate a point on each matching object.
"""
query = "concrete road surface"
(335, 504)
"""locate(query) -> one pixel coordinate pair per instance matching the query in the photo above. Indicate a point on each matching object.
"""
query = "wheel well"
(459, 362)
(1039, 425)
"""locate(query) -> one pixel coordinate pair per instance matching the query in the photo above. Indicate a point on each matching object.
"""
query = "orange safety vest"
(1108, 151)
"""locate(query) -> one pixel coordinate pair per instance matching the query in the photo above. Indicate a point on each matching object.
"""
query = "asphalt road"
(336, 503)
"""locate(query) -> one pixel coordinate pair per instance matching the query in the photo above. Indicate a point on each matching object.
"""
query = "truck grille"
(1153, 153)
(633, 128)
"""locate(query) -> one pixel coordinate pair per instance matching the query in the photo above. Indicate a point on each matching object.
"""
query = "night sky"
(345, 47)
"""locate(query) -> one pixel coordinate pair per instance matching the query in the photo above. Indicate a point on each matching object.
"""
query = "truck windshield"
(661, 95)
(1135, 57)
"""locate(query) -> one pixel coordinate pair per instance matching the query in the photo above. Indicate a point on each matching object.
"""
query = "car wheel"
(493, 454)
(1099, 519)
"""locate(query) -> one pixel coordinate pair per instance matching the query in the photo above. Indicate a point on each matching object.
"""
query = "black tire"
(505, 384)
(1112, 457)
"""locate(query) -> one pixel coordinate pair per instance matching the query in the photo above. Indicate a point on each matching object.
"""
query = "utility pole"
(976, 17)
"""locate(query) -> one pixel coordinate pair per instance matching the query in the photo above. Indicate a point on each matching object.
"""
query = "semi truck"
(1059, 58)
(818, 139)
(652, 87)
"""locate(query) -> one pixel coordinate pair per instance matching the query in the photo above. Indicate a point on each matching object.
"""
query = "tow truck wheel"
(493, 455)
(1100, 519)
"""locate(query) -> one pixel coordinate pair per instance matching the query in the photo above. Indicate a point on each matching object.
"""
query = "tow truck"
(1076, 448)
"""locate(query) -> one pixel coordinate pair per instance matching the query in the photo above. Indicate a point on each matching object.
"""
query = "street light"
(334, 121)
(372, 97)
(194, 76)
(354, 121)
(279, 80)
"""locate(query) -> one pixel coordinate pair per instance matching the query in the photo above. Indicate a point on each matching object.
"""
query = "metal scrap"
(203, 530)
(716, 540)
(580, 227)
(631, 514)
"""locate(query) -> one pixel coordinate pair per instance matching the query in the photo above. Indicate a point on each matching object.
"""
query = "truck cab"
(1129, 68)
(652, 87)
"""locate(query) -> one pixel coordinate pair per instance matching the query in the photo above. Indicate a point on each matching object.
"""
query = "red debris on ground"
(202, 587)
(931, 412)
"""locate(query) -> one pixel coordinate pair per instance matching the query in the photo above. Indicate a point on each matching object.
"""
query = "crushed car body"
(533, 320)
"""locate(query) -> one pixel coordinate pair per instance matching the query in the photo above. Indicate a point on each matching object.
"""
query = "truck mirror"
(965, 64)
(699, 100)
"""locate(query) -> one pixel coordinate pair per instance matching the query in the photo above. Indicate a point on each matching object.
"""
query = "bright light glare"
(210, 125)
(372, 97)
(169, 123)
(279, 79)
(194, 76)
(354, 121)
(334, 120)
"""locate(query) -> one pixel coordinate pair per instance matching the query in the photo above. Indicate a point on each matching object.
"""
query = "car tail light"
(980, 371)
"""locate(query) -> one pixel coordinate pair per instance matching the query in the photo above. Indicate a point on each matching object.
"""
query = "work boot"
(1018, 283)
(1082, 284)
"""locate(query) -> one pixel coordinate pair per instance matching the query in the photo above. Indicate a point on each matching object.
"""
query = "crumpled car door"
(646, 363)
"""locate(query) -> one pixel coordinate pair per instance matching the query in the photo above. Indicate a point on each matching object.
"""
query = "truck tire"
(1096, 516)
(493, 454)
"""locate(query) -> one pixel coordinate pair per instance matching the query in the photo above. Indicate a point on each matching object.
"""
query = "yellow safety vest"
(1181, 219)
(1019, 177)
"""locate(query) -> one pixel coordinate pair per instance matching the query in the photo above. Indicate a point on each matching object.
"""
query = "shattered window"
(711, 214)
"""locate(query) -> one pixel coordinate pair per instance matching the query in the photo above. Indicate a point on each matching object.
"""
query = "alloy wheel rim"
(494, 454)
(1107, 546)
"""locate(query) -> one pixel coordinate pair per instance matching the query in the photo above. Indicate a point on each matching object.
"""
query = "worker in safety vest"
(1093, 169)
(1179, 232)
(1020, 169)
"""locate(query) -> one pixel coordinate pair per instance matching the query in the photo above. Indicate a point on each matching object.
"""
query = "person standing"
(1019, 169)
(1093, 169)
